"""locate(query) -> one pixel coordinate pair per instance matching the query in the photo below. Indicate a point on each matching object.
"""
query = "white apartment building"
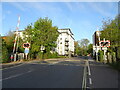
(65, 42)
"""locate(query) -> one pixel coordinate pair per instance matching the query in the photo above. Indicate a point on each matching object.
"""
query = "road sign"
(26, 45)
(26, 50)
(105, 43)
(42, 48)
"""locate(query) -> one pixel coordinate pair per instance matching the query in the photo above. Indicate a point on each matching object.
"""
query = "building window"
(60, 42)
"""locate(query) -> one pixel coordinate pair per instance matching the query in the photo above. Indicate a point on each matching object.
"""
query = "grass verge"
(115, 65)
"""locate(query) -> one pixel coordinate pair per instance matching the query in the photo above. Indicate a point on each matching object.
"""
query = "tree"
(110, 31)
(76, 48)
(90, 49)
(5, 57)
(83, 44)
(42, 33)
(10, 41)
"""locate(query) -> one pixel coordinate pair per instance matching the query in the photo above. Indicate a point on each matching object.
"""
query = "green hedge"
(100, 56)
(47, 55)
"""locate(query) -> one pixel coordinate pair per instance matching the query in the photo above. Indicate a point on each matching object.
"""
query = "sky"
(83, 18)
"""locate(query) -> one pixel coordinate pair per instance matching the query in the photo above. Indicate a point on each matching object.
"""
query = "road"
(74, 72)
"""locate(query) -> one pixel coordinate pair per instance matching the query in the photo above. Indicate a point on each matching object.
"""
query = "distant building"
(65, 42)
(96, 39)
(4, 37)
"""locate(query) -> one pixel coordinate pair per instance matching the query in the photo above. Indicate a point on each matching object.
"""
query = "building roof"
(4, 37)
(67, 29)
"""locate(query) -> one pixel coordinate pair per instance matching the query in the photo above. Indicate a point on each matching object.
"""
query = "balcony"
(66, 40)
(66, 44)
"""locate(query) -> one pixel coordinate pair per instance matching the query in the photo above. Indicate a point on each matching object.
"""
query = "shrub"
(5, 56)
(100, 56)
(115, 65)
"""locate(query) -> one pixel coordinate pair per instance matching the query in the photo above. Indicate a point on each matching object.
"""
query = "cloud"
(75, 6)
(70, 7)
(80, 6)
(98, 7)
(41, 7)
(18, 5)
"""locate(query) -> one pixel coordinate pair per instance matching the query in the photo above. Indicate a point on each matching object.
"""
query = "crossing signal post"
(15, 47)
(104, 45)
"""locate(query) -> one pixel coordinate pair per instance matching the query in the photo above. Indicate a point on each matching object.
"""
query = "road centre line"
(84, 77)
(90, 80)
(89, 72)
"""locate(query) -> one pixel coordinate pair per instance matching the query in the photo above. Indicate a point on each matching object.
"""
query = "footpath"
(12, 64)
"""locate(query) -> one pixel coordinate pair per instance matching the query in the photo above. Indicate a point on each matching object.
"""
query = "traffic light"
(26, 45)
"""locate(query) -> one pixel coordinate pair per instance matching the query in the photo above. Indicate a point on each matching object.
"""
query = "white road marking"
(88, 68)
(84, 78)
(89, 72)
(90, 80)
(16, 75)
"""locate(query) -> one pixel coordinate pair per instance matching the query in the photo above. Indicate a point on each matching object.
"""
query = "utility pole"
(105, 44)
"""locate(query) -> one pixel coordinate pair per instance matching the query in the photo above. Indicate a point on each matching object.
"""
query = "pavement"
(12, 64)
(102, 76)
(77, 72)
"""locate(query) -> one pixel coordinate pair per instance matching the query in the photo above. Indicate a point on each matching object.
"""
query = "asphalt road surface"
(65, 73)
